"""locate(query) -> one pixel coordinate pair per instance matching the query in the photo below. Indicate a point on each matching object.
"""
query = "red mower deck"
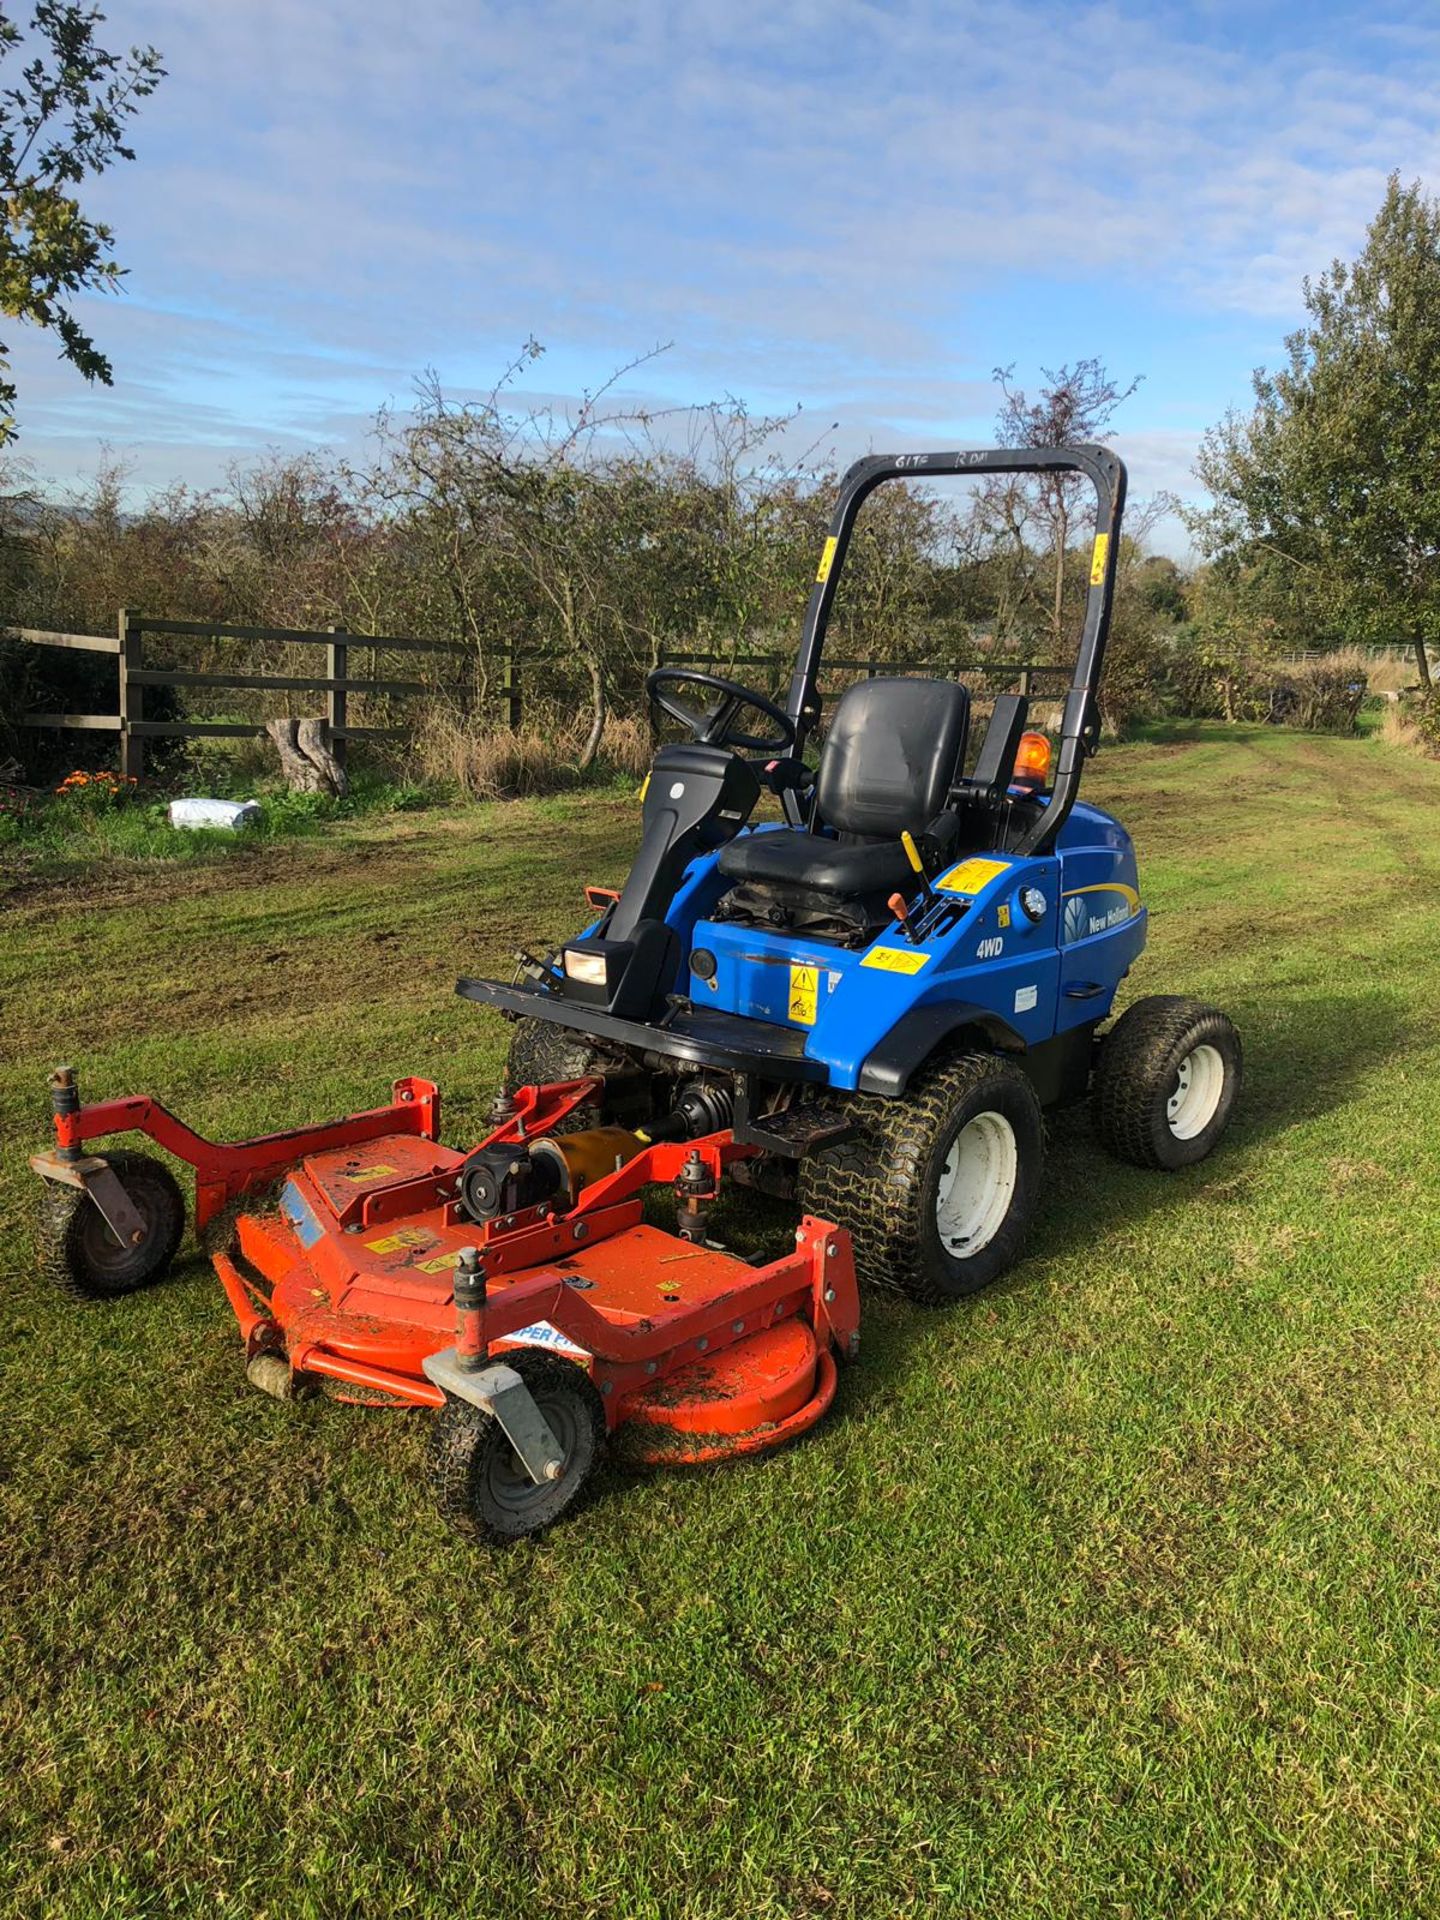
(355, 1262)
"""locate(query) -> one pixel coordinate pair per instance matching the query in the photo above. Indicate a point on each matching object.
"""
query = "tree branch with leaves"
(62, 122)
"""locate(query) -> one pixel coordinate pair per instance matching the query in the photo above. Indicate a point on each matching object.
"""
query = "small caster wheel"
(482, 1489)
(83, 1259)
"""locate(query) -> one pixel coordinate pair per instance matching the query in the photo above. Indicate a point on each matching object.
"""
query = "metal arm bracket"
(499, 1391)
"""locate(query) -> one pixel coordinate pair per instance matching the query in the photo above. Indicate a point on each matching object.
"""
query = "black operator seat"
(893, 752)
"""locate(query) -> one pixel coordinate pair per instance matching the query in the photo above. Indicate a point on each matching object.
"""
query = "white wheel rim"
(977, 1184)
(1199, 1084)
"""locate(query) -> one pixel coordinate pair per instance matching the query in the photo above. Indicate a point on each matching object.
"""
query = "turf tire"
(540, 1053)
(881, 1182)
(1137, 1080)
(78, 1254)
(480, 1487)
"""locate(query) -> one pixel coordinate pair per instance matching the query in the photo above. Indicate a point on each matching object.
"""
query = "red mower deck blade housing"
(350, 1274)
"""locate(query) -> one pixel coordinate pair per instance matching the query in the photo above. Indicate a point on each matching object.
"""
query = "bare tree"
(1074, 406)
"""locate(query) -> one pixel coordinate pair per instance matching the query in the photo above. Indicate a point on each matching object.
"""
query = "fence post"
(510, 685)
(337, 656)
(132, 698)
(1025, 682)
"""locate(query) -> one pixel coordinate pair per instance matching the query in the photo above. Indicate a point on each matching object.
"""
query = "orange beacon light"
(1032, 761)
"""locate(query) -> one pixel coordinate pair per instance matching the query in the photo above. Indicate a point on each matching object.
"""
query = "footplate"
(793, 1131)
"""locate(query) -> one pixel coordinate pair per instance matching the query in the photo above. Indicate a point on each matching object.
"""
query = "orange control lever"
(901, 911)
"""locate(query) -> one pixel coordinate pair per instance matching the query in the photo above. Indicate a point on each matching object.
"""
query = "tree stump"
(305, 757)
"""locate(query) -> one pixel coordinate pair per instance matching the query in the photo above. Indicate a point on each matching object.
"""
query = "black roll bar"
(1080, 728)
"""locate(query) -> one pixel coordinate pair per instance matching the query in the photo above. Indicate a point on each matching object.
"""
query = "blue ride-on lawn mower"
(864, 1005)
(883, 992)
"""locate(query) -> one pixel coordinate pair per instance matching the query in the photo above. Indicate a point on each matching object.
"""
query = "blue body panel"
(1040, 976)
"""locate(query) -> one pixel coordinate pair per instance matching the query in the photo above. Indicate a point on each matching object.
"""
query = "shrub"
(627, 745)
(1133, 686)
(1209, 680)
(1318, 696)
(461, 754)
(1422, 712)
(451, 750)
(1398, 729)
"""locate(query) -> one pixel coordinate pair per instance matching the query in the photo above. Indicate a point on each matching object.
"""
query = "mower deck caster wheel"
(482, 1489)
(83, 1259)
(1166, 1081)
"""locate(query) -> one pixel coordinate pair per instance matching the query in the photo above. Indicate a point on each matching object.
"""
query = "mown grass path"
(1114, 1592)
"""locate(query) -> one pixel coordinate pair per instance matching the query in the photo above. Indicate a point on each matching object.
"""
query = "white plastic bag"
(214, 813)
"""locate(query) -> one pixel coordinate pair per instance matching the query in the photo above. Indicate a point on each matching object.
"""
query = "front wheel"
(481, 1487)
(540, 1054)
(938, 1187)
(1166, 1082)
(78, 1253)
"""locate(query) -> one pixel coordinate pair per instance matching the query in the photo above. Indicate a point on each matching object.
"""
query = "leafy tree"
(62, 122)
(1162, 587)
(1330, 483)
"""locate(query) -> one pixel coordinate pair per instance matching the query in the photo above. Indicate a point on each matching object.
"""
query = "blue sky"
(857, 208)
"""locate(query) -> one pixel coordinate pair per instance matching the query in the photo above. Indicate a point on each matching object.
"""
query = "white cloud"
(848, 204)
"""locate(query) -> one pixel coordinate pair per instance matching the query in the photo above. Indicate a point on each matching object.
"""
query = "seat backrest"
(893, 750)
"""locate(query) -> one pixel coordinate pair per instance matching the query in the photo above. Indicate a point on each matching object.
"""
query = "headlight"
(587, 968)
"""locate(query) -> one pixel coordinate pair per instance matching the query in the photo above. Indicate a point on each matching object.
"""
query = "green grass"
(68, 837)
(1114, 1592)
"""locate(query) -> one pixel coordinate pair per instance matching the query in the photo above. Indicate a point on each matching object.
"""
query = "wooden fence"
(337, 683)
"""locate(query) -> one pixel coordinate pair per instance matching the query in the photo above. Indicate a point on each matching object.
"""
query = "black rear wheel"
(1166, 1082)
(540, 1054)
(481, 1487)
(83, 1259)
(938, 1187)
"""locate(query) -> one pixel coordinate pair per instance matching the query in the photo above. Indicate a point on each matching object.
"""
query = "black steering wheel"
(714, 726)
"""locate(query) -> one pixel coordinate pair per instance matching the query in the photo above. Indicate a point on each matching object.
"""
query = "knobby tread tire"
(62, 1224)
(878, 1183)
(540, 1053)
(460, 1435)
(1139, 1058)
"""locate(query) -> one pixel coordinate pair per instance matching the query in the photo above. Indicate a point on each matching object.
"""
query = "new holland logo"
(1096, 909)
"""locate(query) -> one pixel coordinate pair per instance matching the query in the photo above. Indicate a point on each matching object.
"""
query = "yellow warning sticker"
(402, 1237)
(827, 560)
(442, 1265)
(895, 960)
(1097, 559)
(371, 1173)
(1002, 916)
(804, 993)
(971, 876)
